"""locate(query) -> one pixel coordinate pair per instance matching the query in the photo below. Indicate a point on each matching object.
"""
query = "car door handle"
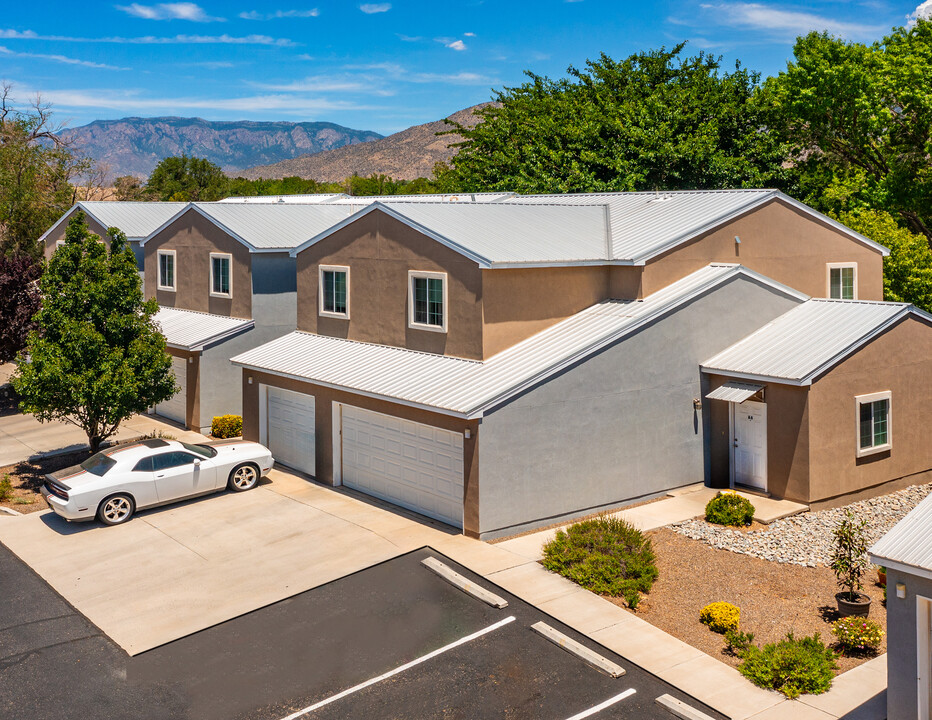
(161, 476)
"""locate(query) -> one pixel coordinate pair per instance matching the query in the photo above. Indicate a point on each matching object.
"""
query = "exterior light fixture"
(901, 590)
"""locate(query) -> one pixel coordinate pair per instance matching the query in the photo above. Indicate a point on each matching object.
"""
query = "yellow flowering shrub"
(720, 616)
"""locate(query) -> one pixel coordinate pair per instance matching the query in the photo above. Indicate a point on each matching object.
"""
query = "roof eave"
(900, 566)
(711, 370)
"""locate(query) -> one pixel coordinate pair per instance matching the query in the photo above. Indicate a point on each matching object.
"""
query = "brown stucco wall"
(192, 411)
(778, 241)
(323, 408)
(193, 238)
(380, 251)
(59, 232)
(899, 360)
(625, 282)
(518, 303)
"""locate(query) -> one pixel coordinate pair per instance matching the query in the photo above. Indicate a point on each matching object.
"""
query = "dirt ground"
(774, 599)
(28, 476)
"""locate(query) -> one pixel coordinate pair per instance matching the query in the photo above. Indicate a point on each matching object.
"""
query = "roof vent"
(660, 198)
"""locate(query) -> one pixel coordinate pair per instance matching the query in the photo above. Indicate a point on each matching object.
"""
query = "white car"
(116, 482)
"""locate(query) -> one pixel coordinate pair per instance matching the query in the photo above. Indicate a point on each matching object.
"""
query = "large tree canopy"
(858, 120)
(187, 178)
(657, 120)
(19, 302)
(97, 357)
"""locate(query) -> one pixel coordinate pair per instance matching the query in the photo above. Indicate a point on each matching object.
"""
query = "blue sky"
(379, 66)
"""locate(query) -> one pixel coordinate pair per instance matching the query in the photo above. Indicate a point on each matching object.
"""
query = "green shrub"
(792, 666)
(605, 555)
(729, 508)
(737, 642)
(857, 634)
(226, 426)
(720, 616)
(6, 488)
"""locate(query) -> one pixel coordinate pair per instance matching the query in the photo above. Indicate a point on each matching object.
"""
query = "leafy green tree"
(187, 179)
(656, 120)
(97, 357)
(19, 302)
(907, 271)
(858, 121)
(37, 167)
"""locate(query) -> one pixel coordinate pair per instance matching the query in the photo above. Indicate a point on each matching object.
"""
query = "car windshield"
(98, 464)
(202, 450)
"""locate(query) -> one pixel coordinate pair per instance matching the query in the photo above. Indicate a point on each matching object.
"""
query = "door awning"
(736, 392)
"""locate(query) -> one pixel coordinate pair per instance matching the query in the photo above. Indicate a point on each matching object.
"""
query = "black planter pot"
(857, 608)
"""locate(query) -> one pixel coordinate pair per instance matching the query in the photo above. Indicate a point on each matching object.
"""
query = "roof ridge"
(380, 345)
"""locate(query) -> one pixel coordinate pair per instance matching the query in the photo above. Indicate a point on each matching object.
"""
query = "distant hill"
(406, 155)
(134, 146)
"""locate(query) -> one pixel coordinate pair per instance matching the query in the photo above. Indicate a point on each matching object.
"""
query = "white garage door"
(413, 465)
(175, 408)
(290, 428)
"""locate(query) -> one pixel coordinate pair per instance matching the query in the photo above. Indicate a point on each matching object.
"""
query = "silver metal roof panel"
(733, 391)
(468, 387)
(190, 330)
(908, 545)
(135, 219)
(807, 340)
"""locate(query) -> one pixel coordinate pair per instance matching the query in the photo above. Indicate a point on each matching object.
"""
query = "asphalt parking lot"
(392, 641)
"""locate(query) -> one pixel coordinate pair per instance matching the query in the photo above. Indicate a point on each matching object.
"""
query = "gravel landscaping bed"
(774, 599)
(28, 476)
(806, 539)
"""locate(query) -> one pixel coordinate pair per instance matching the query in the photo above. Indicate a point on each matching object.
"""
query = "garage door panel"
(291, 428)
(410, 464)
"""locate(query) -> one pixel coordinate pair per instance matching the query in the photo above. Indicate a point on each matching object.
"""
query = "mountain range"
(134, 146)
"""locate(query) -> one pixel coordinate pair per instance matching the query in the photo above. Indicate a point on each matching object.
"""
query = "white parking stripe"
(402, 668)
(601, 706)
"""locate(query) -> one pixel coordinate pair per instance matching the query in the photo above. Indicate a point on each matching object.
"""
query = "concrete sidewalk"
(682, 504)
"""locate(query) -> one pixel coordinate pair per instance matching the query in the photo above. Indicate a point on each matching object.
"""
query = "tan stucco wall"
(899, 360)
(193, 238)
(192, 411)
(380, 251)
(323, 408)
(778, 241)
(625, 282)
(518, 303)
(59, 232)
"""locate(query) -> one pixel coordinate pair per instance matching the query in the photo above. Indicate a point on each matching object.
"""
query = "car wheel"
(116, 510)
(243, 477)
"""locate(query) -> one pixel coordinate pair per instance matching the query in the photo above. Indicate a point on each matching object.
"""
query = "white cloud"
(6, 52)
(457, 45)
(169, 11)
(318, 84)
(922, 12)
(469, 34)
(397, 72)
(785, 23)
(409, 38)
(372, 8)
(152, 40)
(212, 64)
(278, 14)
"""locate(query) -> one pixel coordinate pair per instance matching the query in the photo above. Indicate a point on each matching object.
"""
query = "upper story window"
(874, 423)
(843, 281)
(427, 300)
(334, 291)
(166, 280)
(220, 274)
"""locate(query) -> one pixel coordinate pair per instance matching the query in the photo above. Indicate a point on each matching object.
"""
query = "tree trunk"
(94, 441)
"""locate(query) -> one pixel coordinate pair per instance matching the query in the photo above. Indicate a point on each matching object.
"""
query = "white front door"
(290, 428)
(749, 457)
(417, 466)
(176, 407)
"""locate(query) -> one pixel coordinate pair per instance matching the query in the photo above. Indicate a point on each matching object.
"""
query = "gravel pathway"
(806, 539)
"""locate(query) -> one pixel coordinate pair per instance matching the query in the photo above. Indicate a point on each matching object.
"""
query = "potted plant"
(849, 563)
(882, 575)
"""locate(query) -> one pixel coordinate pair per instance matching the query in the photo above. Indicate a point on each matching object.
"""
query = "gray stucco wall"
(274, 309)
(618, 427)
(902, 671)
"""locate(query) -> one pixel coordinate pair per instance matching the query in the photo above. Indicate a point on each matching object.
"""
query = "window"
(144, 465)
(220, 274)
(874, 423)
(169, 460)
(843, 281)
(98, 464)
(166, 278)
(334, 291)
(427, 301)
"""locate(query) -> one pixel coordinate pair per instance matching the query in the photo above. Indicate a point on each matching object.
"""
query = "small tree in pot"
(849, 562)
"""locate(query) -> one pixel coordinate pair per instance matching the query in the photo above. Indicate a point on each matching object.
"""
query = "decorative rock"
(806, 539)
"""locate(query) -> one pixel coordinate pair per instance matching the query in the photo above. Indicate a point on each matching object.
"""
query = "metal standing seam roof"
(645, 224)
(467, 387)
(135, 219)
(190, 330)
(736, 392)
(310, 199)
(908, 545)
(807, 340)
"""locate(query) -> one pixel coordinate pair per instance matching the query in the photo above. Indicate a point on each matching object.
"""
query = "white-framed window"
(843, 281)
(221, 283)
(427, 300)
(166, 279)
(874, 422)
(334, 286)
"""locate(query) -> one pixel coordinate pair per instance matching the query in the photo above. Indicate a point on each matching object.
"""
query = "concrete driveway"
(179, 569)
